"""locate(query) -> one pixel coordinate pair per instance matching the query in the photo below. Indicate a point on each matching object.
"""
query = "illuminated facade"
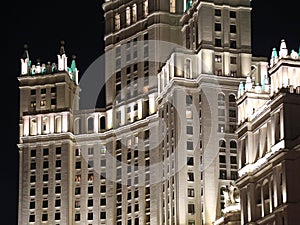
(268, 136)
(164, 148)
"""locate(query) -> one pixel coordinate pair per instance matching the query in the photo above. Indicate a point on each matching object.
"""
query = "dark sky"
(43, 24)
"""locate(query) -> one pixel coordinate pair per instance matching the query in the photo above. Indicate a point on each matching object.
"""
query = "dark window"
(90, 190)
(33, 92)
(77, 165)
(222, 158)
(45, 151)
(189, 129)
(102, 215)
(33, 153)
(45, 164)
(32, 205)
(43, 91)
(103, 189)
(90, 216)
(32, 192)
(57, 216)
(233, 144)
(234, 175)
(233, 160)
(190, 176)
(31, 218)
(57, 202)
(233, 29)
(218, 42)
(58, 189)
(44, 217)
(103, 201)
(77, 191)
(136, 207)
(32, 179)
(58, 150)
(223, 174)
(58, 176)
(218, 12)
(90, 202)
(218, 27)
(190, 161)
(33, 166)
(77, 217)
(189, 99)
(232, 44)
(232, 113)
(53, 101)
(191, 208)
(58, 163)
(53, 89)
(232, 14)
(232, 60)
(45, 204)
(45, 177)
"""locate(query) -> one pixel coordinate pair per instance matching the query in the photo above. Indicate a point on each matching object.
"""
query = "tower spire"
(62, 58)
(25, 62)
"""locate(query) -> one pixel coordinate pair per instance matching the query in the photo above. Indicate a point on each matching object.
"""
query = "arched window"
(233, 144)
(77, 126)
(128, 19)
(102, 123)
(222, 144)
(45, 125)
(231, 98)
(134, 13)
(221, 97)
(188, 68)
(58, 124)
(90, 124)
(33, 127)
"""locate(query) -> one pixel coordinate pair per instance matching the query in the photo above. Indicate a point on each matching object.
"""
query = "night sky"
(43, 24)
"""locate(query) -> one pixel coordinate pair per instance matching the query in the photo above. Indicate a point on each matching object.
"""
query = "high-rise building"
(268, 134)
(164, 149)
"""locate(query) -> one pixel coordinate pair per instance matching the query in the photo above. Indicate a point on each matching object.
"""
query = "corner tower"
(48, 96)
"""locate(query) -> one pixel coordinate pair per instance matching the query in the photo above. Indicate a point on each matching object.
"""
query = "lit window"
(188, 68)
(145, 7)
(218, 59)
(189, 114)
(117, 21)
(223, 174)
(172, 6)
(43, 103)
(134, 13)
(191, 192)
(128, 20)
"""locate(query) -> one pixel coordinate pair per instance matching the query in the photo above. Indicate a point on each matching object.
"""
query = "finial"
(25, 54)
(283, 49)
(62, 48)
